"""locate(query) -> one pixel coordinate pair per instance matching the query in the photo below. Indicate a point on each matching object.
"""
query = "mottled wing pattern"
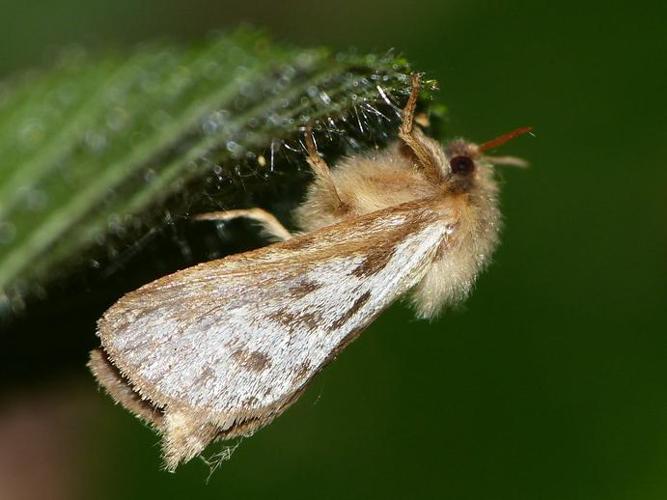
(235, 340)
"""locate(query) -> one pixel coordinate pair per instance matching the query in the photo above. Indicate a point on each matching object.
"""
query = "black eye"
(462, 165)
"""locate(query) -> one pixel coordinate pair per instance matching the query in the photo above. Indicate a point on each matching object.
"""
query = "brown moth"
(219, 350)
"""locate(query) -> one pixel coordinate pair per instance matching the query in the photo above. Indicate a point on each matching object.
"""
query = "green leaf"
(95, 151)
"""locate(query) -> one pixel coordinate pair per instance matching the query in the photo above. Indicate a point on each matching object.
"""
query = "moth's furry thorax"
(382, 179)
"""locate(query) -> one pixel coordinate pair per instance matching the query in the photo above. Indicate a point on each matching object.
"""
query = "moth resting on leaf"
(218, 350)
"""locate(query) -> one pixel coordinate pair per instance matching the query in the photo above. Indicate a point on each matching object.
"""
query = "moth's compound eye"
(462, 165)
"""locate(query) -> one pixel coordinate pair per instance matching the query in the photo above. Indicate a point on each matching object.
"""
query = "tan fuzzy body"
(389, 177)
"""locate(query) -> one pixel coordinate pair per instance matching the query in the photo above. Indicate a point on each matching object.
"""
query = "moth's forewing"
(222, 348)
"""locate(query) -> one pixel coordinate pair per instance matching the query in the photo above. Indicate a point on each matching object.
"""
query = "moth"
(218, 350)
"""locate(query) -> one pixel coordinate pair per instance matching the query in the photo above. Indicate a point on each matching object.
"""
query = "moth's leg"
(270, 225)
(413, 137)
(321, 169)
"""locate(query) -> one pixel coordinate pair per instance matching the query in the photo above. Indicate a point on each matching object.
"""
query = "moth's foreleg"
(413, 137)
(270, 225)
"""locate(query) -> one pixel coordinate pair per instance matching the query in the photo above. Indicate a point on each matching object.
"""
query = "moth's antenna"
(500, 140)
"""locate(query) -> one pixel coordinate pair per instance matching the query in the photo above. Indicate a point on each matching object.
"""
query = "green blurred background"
(548, 384)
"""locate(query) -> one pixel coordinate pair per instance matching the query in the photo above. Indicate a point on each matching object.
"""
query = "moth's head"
(467, 163)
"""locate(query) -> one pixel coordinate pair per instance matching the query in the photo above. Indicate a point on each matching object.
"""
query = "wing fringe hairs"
(182, 439)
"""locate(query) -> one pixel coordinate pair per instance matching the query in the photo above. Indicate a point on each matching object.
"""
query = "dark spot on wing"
(239, 355)
(301, 372)
(356, 305)
(204, 376)
(257, 361)
(374, 262)
(283, 317)
(249, 402)
(303, 288)
(305, 319)
(252, 360)
(310, 319)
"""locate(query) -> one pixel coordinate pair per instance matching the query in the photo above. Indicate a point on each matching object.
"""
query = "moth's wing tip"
(106, 374)
(112, 321)
(94, 362)
(120, 389)
(184, 437)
